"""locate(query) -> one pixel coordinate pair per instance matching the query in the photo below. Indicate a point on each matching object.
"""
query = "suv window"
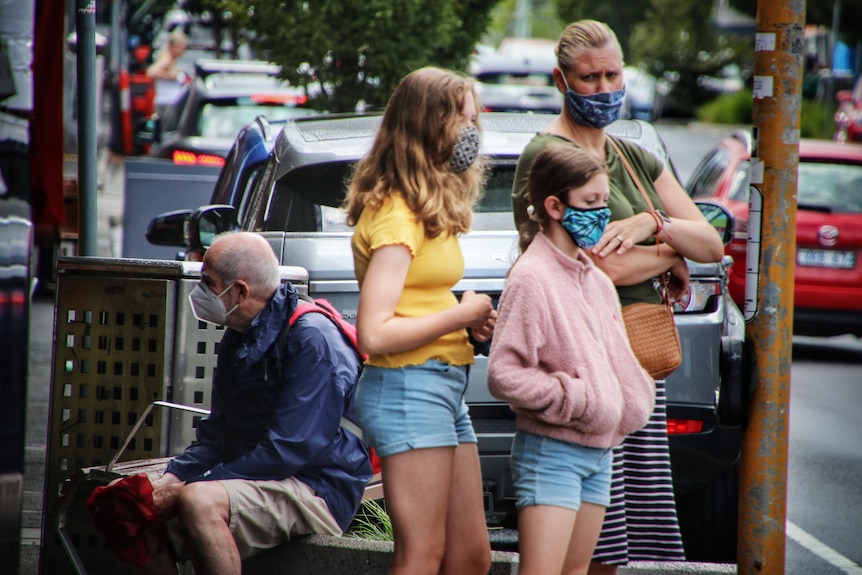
(833, 188)
(308, 199)
(704, 181)
(171, 122)
(739, 187)
(516, 78)
(225, 118)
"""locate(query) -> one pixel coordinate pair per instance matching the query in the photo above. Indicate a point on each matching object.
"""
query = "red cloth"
(122, 512)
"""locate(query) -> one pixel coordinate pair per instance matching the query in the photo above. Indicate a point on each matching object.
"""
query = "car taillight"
(682, 426)
(186, 158)
(297, 99)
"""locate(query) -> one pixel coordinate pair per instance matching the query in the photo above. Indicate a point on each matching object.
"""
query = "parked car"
(296, 206)
(516, 83)
(827, 294)
(239, 174)
(644, 95)
(224, 96)
(848, 117)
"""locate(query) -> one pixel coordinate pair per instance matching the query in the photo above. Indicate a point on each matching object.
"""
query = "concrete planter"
(324, 555)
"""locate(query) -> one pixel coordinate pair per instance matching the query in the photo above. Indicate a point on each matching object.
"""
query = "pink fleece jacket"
(560, 354)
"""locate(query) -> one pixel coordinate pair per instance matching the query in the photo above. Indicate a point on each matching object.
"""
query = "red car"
(828, 282)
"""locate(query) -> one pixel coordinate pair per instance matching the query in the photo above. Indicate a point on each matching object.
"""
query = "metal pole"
(85, 25)
(778, 65)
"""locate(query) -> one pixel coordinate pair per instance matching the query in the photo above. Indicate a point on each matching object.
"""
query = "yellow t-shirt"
(437, 266)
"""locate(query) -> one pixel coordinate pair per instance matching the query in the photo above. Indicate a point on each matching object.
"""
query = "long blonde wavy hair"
(411, 154)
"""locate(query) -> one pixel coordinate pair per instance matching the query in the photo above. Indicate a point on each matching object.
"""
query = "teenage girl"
(561, 358)
(410, 198)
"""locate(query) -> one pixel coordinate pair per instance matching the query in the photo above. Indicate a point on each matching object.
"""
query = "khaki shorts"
(264, 514)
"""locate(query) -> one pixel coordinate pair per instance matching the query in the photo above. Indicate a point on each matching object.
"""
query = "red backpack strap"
(322, 306)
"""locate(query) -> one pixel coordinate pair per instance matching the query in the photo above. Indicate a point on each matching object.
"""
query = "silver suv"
(295, 205)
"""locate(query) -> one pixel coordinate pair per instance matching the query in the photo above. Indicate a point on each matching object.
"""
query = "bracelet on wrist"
(662, 223)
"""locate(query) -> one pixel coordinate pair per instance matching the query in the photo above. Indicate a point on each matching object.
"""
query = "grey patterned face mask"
(466, 149)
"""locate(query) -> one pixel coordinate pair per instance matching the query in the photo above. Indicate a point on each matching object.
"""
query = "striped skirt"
(641, 522)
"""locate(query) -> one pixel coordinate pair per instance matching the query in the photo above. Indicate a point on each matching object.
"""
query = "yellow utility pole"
(778, 65)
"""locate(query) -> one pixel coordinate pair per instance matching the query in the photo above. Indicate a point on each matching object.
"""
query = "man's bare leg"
(203, 509)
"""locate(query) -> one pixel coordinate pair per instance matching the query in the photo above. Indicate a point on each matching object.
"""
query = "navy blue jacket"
(275, 413)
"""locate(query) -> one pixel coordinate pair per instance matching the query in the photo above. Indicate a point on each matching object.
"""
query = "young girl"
(409, 198)
(560, 356)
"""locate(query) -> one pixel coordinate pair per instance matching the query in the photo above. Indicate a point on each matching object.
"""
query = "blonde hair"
(581, 36)
(411, 154)
(178, 38)
(555, 170)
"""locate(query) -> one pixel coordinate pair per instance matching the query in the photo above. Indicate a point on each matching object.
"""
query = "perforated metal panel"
(124, 336)
(194, 365)
(113, 348)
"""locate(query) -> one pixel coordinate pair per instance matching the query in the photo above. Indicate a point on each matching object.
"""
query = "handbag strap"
(631, 173)
(662, 277)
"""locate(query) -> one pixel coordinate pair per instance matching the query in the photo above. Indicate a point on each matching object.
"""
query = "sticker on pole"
(752, 253)
(762, 87)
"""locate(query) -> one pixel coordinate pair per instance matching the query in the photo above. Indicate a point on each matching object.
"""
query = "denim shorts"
(413, 407)
(548, 471)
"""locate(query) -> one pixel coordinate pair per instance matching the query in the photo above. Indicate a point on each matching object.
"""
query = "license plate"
(845, 260)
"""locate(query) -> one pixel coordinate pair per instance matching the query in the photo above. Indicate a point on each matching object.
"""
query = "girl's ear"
(554, 207)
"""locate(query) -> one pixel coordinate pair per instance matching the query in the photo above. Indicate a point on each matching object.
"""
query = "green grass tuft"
(372, 522)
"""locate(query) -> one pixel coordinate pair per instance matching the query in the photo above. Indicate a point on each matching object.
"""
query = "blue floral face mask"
(596, 110)
(586, 226)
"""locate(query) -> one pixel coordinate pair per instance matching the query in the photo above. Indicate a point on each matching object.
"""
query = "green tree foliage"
(351, 51)
(226, 17)
(622, 17)
(820, 12)
(678, 36)
(545, 21)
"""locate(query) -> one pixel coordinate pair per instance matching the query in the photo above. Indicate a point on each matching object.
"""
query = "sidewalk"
(110, 212)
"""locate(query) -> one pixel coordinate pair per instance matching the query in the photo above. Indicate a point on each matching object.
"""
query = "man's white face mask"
(208, 306)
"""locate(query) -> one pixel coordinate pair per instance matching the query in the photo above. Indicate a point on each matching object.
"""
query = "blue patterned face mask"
(596, 110)
(586, 226)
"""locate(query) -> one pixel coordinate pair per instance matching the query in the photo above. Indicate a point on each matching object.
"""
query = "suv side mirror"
(168, 229)
(149, 130)
(720, 217)
(208, 222)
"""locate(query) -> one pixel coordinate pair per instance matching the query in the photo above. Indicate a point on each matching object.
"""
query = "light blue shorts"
(548, 471)
(413, 407)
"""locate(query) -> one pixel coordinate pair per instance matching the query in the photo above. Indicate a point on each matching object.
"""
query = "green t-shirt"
(625, 199)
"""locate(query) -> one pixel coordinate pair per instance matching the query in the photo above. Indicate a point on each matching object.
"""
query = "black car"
(223, 97)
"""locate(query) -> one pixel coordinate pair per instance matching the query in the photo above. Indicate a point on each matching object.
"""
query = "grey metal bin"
(124, 336)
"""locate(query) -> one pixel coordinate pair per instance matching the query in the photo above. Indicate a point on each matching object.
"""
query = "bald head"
(244, 256)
